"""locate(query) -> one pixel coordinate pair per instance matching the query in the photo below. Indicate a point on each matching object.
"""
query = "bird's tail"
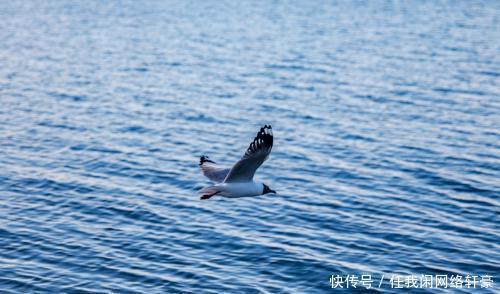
(208, 192)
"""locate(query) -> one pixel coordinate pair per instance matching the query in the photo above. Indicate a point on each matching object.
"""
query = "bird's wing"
(212, 171)
(256, 154)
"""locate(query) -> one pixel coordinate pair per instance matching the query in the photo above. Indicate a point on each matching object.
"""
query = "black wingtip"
(204, 159)
(264, 138)
(263, 129)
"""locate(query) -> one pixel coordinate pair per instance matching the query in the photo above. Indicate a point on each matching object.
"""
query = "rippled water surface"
(387, 143)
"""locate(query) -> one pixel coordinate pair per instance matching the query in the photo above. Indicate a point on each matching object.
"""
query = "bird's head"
(267, 190)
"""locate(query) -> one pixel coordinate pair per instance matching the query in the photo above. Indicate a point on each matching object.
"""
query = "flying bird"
(238, 181)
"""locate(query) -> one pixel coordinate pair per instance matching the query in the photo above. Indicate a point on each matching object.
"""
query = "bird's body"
(238, 181)
(237, 190)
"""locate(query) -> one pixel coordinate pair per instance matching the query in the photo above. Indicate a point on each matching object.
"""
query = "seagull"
(238, 181)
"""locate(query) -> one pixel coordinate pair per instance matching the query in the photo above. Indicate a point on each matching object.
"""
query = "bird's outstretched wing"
(212, 171)
(256, 154)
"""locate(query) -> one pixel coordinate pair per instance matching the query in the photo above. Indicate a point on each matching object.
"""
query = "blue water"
(386, 159)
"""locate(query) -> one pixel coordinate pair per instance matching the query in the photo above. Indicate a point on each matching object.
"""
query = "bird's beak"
(272, 191)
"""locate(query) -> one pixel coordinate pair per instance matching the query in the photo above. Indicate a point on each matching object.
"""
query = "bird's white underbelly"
(235, 190)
